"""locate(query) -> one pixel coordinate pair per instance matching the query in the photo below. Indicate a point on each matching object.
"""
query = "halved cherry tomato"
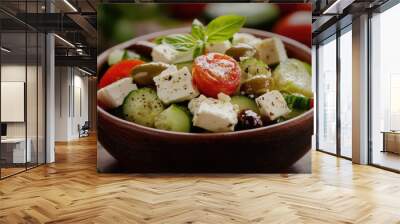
(118, 71)
(215, 73)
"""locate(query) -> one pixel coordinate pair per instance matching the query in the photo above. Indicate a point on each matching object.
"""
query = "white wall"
(70, 83)
(12, 73)
(81, 84)
(61, 105)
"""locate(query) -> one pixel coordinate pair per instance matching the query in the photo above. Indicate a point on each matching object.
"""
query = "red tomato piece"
(187, 10)
(118, 71)
(296, 26)
(215, 73)
(311, 103)
(287, 8)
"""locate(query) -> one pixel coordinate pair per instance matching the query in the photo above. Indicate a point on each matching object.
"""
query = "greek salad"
(213, 79)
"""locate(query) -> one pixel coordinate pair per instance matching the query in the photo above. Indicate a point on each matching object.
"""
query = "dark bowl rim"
(128, 124)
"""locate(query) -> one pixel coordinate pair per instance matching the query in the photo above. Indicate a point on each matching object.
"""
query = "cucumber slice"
(295, 101)
(245, 103)
(292, 76)
(308, 67)
(119, 55)
(293, 113)
(174, 118)
(142, 106)
(305, 64)
(115, 56)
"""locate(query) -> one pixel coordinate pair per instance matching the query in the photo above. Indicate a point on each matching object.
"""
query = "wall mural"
(204, 88)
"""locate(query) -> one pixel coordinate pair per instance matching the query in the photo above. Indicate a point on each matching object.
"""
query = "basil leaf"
(198, 30)
(159, 40)
(223, 27)
(199, 49)
(181, 42)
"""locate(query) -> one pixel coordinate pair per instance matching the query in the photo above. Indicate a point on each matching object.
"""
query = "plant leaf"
(159, 40)
(199, 49)
(181, 42)
(198, 30)
(223, 27)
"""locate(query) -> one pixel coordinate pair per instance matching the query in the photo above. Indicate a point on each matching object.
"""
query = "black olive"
(143, 48)
(248, 119)
(266, 121)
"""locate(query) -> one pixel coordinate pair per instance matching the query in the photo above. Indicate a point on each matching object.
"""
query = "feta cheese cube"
(219, 47)
(163, 53)
(169, 70)
(194, 104)
(175, 86)
(272, 104)
(167, 54)
(113, 95)
(271, 51)
(245, 38)
(214, 115)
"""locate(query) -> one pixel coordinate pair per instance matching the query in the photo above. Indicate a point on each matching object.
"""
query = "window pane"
(345, 94)
(15, 150)
(385, 84)
(327, 97)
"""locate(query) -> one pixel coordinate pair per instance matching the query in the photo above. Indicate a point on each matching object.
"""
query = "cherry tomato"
(186, 11)
(311, 103)
(296, 26)
(118, 71)
(287, 8)
(215, 73)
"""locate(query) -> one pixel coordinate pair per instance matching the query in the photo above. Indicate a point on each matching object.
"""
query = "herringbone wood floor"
(71, 191)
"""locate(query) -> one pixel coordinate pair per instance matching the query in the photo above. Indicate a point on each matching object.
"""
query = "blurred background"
(120, 22)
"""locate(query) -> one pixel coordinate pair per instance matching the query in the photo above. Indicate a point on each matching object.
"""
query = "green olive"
(257, 85)
(143, 74)
(251, 67)
(240, 50)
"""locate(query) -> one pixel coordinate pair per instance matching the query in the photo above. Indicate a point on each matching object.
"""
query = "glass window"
(385, 89)
(326, 101)
(22, 92)
(15, 150)
(346, 93)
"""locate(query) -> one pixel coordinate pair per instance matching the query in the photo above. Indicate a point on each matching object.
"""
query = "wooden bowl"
(268, 149)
